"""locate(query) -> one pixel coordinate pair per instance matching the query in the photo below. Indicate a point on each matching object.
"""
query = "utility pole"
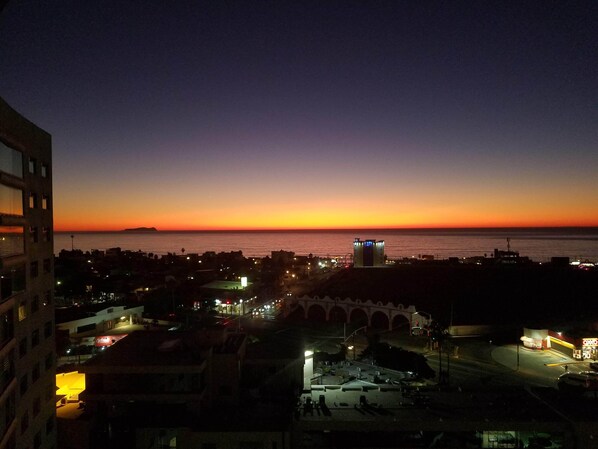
(448, 364)
(440, 374)
(518, 339)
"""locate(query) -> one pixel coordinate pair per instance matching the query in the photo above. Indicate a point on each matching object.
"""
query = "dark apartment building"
(27, 377)
(185, 389)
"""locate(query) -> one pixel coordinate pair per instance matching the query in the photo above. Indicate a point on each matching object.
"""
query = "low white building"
(100, 321)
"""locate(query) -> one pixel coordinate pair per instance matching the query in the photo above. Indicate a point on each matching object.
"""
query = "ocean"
(540, 244)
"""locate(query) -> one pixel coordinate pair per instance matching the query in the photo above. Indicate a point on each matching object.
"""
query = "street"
(475, 362)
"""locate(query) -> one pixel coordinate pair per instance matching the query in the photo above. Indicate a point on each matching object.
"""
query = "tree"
(439, 336)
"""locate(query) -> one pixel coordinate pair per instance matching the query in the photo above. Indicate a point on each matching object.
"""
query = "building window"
(6, 328)
(47, 266)
(11, 201)
(45, 202)
(33, 234)
(9, 410)
(7, 370)
(47, 298)
(35, 373)
(22, 312)
(32, 200)
(24, 422)
(48, 329)
(11, 160)
(32, 164)
(34, 304)
(49, 361)
(23, 385)
(49, 425)
(12, 281)
(47, 234)
(34, 269)
(50, 391)
(44, 171)
(22, 347)
(37, 405)
(35, 338)
(37, 440)
(12, 242)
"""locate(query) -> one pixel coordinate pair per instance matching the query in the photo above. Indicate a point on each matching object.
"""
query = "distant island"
(142, 229)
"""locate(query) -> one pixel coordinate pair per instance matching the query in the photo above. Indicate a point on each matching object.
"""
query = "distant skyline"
(215, 115)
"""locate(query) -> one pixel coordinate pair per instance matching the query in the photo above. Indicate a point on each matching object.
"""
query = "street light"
(352, 348)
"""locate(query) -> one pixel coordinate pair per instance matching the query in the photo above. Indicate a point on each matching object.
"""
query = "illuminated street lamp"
(352, 348)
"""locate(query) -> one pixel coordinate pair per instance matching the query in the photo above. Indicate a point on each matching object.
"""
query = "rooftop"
(153, 348)
(224, 285)
(66, 314)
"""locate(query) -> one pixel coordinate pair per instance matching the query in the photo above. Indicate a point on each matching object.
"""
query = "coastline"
(539, 244)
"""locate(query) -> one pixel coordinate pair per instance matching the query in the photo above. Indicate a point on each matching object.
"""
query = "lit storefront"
(535, 338)
(580, 348)
(589, 348)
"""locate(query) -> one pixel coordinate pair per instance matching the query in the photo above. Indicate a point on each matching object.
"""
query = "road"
(475, 362)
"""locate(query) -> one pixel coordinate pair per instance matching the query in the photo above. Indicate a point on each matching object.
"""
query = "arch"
(401, 323)
(315, 312)
(337, 315)
(358, 317)
(379, 320)
(297, 313)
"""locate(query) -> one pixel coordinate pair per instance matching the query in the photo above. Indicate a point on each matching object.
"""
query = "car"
(583, 381)
(594, 366)
(420, 331)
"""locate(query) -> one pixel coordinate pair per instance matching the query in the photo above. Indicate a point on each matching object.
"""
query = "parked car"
(420, 331)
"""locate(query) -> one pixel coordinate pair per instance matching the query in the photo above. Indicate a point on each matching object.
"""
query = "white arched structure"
(348, 305)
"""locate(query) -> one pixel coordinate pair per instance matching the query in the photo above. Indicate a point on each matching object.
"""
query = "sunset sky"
(310, 114)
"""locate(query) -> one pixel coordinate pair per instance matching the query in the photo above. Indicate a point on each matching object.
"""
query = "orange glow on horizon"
(384, 210)
(331, 199)
(318, 225)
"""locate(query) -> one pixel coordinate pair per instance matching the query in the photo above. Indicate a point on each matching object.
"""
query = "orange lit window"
(11, 200)
(22, 311)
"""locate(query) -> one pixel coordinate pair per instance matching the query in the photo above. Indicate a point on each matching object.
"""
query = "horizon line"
(420, 228)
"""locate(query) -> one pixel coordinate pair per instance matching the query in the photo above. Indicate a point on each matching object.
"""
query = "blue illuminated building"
(368, 253)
